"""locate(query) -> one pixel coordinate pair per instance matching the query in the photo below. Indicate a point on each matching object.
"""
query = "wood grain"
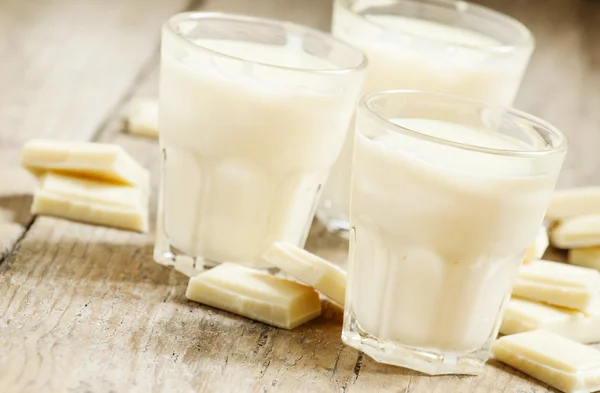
(66, 67)
(85, 309)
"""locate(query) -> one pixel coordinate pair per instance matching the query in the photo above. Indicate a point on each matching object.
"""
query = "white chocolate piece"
(576, 232)
(324, 276)
(539, 246)
(92, 201)
(559, 284)
(523, 315)
(564, 364)
(256, 295)
(102, 161)
(574, 202)
(142, 117)
(586, 257)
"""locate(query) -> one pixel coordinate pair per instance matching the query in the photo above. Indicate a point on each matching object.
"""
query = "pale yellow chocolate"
(523, 315)
(315, 271)
(539, 246)
(564, 364)
(586, 257)
(575, 232)
(92, 201)
(574, 202)
(142, 117)
(256, 295)
(101, 161)
(558, 284)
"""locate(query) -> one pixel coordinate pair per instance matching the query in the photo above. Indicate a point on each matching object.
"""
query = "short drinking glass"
(447, 195)
(252, 115)
(449, 46)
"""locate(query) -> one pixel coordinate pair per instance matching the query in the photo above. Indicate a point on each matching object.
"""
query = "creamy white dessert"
(438, 233)
(412, 53)
(248, 132)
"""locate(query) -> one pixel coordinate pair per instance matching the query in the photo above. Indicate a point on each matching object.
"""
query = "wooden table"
(85, 308)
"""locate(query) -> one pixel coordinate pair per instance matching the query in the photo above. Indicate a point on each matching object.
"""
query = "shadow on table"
(328, 245)
(118, 262)
(14, 219)
(15, 209)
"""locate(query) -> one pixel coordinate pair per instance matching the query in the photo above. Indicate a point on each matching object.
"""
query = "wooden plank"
(65, 67)
(85, 308)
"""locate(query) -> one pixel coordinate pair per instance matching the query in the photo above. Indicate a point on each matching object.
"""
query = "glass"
(252, 115)
(446, 46)
(447, 195)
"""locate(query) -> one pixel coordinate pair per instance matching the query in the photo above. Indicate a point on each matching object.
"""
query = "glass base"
(167, 255)
(425, 361)
(171, 257)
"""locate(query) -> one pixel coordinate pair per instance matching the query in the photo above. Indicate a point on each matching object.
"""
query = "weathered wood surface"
(65, 67)
(85, 309)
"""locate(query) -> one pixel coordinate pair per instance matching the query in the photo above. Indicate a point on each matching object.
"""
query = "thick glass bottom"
(167, 255)
(423, 360)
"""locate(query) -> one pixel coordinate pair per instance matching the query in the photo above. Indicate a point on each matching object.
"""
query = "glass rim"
(366, 102)
(526, 38)
(171, 23)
